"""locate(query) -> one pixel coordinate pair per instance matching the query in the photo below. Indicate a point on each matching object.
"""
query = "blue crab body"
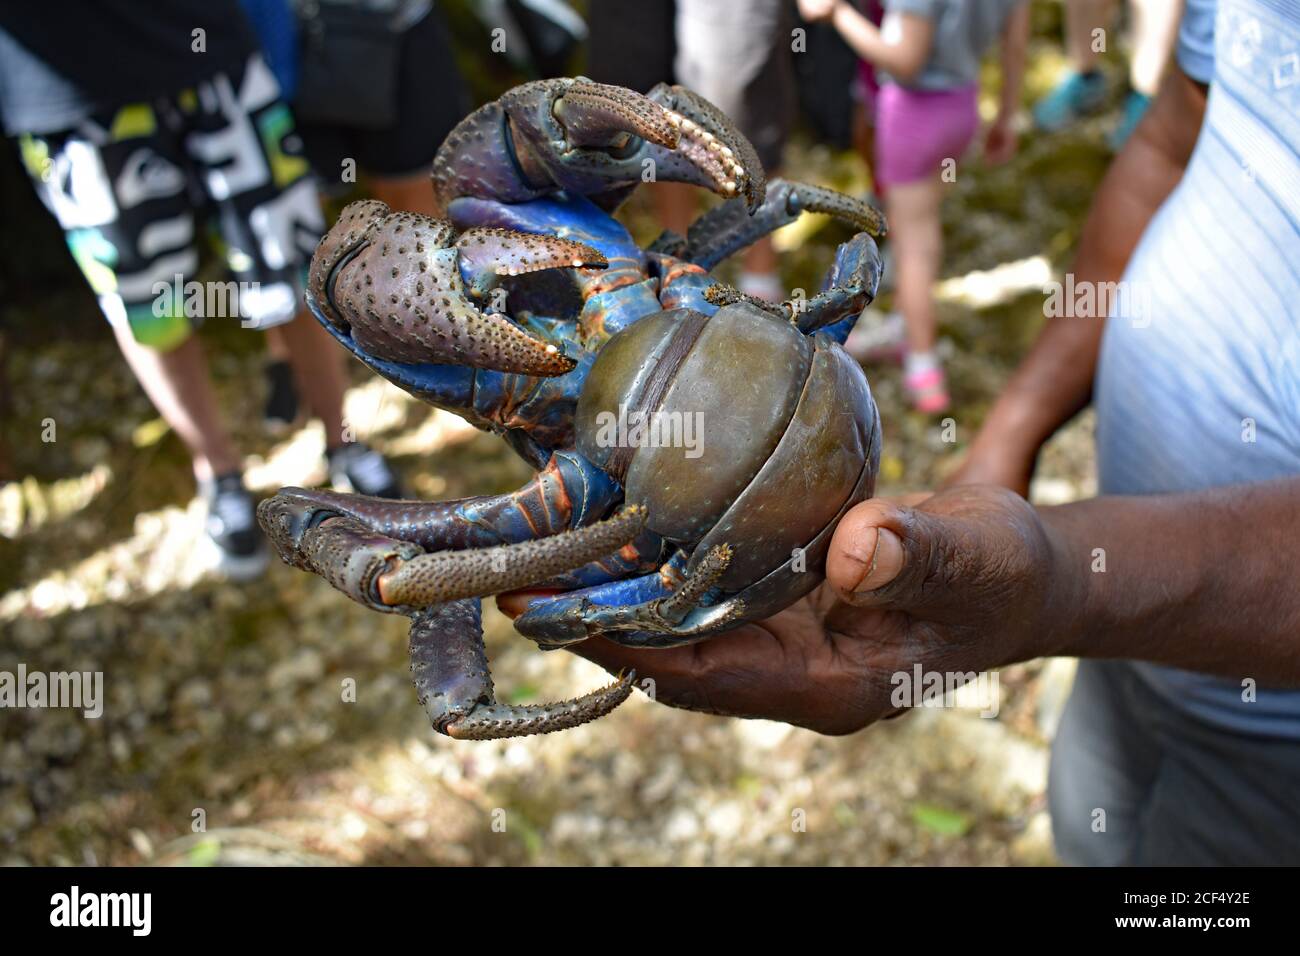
(532, 313)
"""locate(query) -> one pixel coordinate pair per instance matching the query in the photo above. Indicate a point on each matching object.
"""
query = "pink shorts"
(916, 130)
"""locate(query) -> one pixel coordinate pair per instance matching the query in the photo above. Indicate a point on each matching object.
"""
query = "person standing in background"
(737, 56)
(1082, 88)
(1180, 743)
(383, 130)
(133, 124)
(929, 53)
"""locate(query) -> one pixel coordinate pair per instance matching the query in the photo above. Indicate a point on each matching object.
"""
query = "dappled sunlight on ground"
(282, 715)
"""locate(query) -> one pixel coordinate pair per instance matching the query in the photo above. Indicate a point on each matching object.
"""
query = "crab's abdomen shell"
(772, 431)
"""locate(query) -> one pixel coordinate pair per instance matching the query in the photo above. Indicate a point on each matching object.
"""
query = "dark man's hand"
(964, 581)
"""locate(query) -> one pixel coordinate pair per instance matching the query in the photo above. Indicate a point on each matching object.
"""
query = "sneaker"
(1075, 96)
(877, 338)
(361, 470)
(1135, 105)
(928, 390)
(282, 398)
(231, 526)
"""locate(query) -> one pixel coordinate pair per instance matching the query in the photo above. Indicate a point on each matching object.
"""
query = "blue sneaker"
(1135, 105)
(1077, 95)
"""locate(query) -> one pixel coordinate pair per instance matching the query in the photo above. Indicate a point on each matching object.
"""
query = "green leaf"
(941, 821)
(523, 693)
(204, 853)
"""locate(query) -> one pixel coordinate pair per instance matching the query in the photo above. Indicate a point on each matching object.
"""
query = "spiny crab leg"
(393, 281)
(387, 574)
(440, 592)
(732, 226)
(850, 287)
(450, 671)
(449, 575)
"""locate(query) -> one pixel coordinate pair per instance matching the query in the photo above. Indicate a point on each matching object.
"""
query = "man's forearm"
(1204, 581)
(1055, 380)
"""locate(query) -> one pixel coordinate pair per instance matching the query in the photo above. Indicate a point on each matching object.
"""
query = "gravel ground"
(229, 733)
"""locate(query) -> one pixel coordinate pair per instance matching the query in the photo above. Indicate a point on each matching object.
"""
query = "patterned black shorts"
(133, 187)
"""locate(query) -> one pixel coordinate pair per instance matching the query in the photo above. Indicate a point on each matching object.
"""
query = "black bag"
(825, 79)
(348, 65)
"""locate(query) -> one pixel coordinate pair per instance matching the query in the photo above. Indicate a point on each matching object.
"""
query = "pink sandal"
(928, 390)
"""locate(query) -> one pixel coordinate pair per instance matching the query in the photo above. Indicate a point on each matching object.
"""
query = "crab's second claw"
(393, 282)
(711, 150)
(596, 140)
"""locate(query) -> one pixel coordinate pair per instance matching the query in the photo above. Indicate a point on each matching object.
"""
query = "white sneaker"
(878, 337)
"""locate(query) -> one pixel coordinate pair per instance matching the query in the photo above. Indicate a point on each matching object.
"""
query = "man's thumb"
(883, 553)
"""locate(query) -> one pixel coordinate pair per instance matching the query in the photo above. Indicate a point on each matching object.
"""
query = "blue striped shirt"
(1201, 386)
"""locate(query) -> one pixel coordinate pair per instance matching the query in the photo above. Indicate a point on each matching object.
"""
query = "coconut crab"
(532, 313)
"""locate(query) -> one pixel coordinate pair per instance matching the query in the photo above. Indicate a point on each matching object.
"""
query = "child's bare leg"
(1082, 19)
(1081, 91)
(675, 206)
(318, 370)
(410, 193)
(916, 236)
(178, 384)
(1155, 27)
(759, 271)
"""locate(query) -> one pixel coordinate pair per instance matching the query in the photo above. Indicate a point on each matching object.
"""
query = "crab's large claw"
(595, 139)
(394, 283)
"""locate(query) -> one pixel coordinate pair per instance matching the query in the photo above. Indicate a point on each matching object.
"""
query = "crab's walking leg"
(440, 591)
(849, 288)
(730, 227)
(448, 575)
(394, 283)
(450, 671)
(568, 492)
(388, 574)
(643, 611)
